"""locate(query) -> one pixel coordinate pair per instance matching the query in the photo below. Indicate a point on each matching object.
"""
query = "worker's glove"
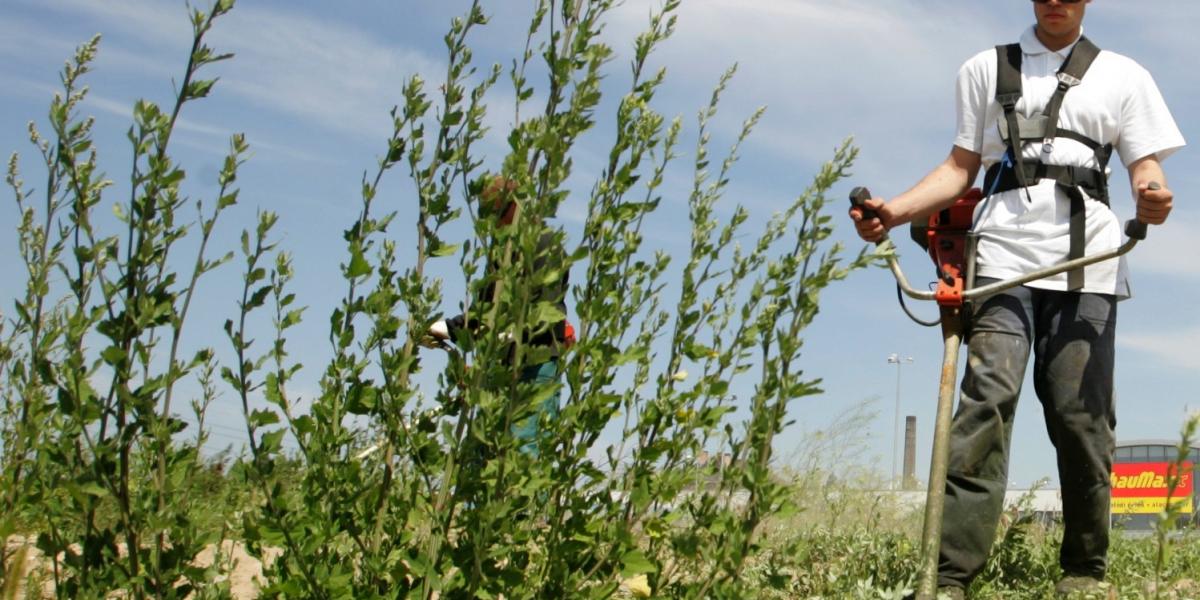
(437, 336)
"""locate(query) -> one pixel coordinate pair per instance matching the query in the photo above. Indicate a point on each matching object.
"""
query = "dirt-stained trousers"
(1071, 335)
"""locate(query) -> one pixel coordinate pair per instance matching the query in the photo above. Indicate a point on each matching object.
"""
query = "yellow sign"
(1142, 488)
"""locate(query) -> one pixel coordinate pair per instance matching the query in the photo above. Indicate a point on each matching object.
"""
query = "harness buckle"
(1008, 100)
(1067, 80)
(1047, 146)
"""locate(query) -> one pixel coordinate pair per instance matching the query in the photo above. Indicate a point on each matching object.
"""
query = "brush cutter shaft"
(935, 495)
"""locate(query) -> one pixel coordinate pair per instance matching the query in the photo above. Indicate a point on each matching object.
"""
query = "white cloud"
(1169, 250)
(1176, 348)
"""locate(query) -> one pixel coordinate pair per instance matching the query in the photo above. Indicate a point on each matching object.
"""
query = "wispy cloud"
(21, 38)
(1169, 250)
(879, 70)
(1176, 347)
(319, 72)
(95, 103)
(331, 75)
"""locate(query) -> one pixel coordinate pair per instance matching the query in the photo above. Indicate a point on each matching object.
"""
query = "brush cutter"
(951, 244)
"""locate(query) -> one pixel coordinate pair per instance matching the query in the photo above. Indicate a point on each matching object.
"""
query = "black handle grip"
(859, 197)
(1135, 229)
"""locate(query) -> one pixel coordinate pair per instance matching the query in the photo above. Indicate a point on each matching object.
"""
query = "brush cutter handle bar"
(1134, 229)
(902, 281)
(1070, 265)
(859, 197)
(1000, 286)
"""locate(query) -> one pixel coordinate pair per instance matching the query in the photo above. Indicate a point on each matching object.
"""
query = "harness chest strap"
(1015, 129)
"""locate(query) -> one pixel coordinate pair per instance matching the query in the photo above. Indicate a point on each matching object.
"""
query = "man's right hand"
(875, 228)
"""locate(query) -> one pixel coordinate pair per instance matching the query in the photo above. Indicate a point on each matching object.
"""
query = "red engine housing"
(945, 237)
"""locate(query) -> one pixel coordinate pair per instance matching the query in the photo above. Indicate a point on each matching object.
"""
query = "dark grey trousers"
(1071, 335)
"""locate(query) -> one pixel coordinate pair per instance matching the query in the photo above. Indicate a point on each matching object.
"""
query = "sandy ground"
(244, 571)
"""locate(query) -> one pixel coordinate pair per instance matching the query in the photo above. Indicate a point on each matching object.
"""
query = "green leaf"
(697, 351)
(551, 276)
(261, 418)
(548, 312)
(395, 150)
(359, 267)
(444, 250)
(291, 318)
(113, 355)
(92, 488)
(718, 388)
(272, 440)
(304, 424)
(67, 403)
(632, 354)
(258, 298)
(174, 177)
(199, 88)
(635, 563)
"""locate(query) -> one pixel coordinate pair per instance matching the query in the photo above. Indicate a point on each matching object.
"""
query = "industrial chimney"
(910, 452)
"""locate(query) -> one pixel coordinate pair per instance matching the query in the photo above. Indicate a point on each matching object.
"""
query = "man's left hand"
(1153, 206)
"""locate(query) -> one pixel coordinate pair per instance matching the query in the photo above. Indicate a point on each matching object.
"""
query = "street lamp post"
(897, 360)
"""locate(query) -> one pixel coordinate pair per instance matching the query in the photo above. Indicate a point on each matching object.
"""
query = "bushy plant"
(93, 451)
(436, 498)
(395, 490)
(1024, 556)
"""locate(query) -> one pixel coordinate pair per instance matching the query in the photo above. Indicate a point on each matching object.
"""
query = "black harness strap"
(1008, 92)
(1068, 179)
(1090, 180)
(1102, 152)
(1069, 75)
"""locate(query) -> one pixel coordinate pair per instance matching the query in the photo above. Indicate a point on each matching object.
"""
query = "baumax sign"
(1141, 488)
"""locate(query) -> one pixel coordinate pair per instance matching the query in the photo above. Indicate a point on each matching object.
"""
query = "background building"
(1139, 488)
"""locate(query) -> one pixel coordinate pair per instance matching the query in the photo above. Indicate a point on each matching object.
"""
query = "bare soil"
(244, 572)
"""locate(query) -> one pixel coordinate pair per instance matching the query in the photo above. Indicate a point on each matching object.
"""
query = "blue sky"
(313, 82)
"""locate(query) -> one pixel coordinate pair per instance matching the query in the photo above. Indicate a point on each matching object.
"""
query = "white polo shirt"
(1117, 102)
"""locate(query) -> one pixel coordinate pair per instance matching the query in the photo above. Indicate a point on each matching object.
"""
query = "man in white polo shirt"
(1042, 119)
